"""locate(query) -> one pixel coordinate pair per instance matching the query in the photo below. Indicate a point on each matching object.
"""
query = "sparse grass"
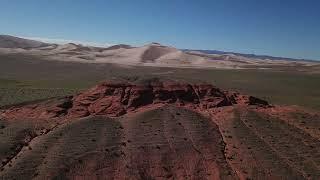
(10, 96)
(52, 78)
(280, 141)
(288, 88)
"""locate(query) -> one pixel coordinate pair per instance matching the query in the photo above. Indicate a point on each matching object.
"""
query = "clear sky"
(289, 28)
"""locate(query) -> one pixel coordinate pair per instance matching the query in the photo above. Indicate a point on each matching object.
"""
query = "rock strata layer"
(116, 99)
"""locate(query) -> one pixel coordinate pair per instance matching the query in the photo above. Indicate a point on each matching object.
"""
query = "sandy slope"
(149, 55)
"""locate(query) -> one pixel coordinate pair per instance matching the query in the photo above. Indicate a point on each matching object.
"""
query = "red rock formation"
(215, 135)
(116, 99)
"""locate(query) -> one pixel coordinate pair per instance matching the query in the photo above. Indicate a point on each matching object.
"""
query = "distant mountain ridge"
(7, 41)
(262, 57)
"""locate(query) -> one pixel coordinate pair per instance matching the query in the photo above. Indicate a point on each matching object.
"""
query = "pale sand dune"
(153, 54)
(7, 41)
(145, 54)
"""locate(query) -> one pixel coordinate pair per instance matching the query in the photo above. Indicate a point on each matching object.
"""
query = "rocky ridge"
(115, 99)
(166, 130)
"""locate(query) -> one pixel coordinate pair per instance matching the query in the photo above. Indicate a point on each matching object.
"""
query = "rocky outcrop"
(115, 99)
(170, 130)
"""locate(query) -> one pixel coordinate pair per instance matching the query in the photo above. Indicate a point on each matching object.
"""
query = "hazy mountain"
(7, 41)
(255, 56)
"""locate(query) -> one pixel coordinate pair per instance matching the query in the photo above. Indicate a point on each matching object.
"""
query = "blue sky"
(289, 28)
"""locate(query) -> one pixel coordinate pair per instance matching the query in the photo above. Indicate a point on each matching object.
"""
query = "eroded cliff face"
(116, 99)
